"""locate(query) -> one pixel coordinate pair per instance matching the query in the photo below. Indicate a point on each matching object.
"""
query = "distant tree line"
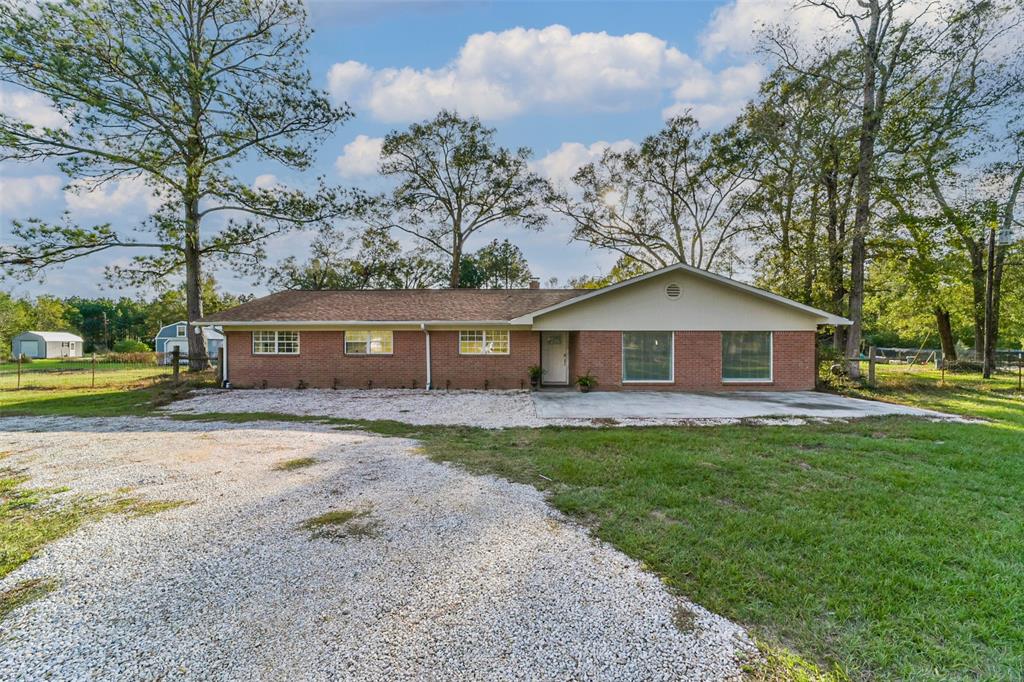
(103, 323)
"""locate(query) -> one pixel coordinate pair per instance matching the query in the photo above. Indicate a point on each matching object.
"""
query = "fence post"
(94, 369)
(175, 358)
(871, 366)
(940, 360)
(220, 365)
(19, 370)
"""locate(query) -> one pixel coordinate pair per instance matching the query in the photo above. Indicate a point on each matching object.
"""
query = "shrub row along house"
(679, 328)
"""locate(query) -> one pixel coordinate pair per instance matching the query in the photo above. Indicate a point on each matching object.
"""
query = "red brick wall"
(322, 362)
(470, 371)
(698, 361)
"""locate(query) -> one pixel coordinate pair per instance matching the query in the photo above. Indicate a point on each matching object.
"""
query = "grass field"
(889, 548)
(77, 373)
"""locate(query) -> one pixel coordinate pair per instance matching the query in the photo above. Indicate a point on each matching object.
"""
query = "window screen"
(647, 356)
(369, 342)
(746, 356)
(484, 342)
(275, 342)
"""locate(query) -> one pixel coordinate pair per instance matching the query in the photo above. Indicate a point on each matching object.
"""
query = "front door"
(554, 358)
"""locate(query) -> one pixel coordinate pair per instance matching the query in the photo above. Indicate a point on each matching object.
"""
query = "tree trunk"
(865, 175)
(456, 275)
(996, 258)
(978, 280)
(835, 239)
(996, 255)
(198, 359)
(942, 321)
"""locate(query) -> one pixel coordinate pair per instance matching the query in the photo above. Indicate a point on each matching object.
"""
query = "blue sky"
(563, 78)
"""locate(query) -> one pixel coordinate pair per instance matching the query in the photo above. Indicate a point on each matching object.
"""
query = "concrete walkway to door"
(731, 405)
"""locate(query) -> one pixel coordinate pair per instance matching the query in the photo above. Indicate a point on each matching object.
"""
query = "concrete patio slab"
(731, 405)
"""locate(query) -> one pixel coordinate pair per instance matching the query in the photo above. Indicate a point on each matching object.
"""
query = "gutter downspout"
(227, 382)
(426, 335)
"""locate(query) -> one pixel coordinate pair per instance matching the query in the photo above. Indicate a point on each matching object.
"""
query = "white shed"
(47, 345)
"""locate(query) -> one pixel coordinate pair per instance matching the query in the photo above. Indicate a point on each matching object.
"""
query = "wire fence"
(1007, 360)
(111, 370)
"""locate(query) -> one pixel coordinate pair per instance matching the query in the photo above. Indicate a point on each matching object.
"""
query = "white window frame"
(485, 341)
(277, 342)
(181, 330)
(672, 358)
(771, 358)
(369, 341)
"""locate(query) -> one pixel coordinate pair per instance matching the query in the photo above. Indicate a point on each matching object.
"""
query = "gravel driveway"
(453, 576)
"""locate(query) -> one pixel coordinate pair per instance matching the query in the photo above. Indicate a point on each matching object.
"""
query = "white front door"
(554, 357)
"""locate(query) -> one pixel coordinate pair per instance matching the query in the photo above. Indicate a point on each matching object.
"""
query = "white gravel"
(487, 409)
(466, 577)
(484, 409)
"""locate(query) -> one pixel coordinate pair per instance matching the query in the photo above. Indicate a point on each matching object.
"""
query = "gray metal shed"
(47, 345)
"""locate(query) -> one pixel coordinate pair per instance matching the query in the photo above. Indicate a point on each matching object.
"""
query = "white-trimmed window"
(484, 342)
(180, 329)
(648, 357)
(369, 342)
(746, 356)
(275, 343)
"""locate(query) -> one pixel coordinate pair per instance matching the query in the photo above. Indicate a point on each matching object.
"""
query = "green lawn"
(60, 373)
(889, 548)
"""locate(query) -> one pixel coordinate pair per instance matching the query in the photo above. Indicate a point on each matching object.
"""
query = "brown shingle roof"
(394, 305)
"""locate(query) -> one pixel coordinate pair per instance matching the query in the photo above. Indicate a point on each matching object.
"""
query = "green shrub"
(131, 346)
(147, 358)
(832, 365)
(962, 365)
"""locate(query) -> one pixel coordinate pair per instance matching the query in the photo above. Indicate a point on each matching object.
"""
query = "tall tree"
(369, 260)
(504, 265)
(178, 93)
(881, 47)
(806, 175)
(453, 181)
(678, 198)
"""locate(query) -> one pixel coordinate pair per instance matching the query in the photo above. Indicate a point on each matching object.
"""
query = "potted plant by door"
(585, 382)
(535, 373)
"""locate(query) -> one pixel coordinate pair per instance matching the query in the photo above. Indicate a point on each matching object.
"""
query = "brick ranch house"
(678, 328)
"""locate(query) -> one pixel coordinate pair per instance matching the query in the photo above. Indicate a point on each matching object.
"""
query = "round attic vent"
(673, 290)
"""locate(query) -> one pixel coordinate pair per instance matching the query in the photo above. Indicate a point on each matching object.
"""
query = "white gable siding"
(704, 305)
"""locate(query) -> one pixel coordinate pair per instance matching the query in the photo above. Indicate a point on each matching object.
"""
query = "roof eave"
(340, 323)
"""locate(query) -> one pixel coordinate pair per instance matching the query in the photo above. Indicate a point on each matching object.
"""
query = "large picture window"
(746, 356)
(369, 342)
(647, 357)
(275, 343)
(484, 342)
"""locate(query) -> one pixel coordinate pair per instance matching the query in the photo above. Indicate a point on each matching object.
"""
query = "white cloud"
(87, 197)
(31, 108)
(265, 181)
(716, 99)
(500, 74)
(734, 27)
(560, 165)
(345, 79)
(17, 193)
(360, 157)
